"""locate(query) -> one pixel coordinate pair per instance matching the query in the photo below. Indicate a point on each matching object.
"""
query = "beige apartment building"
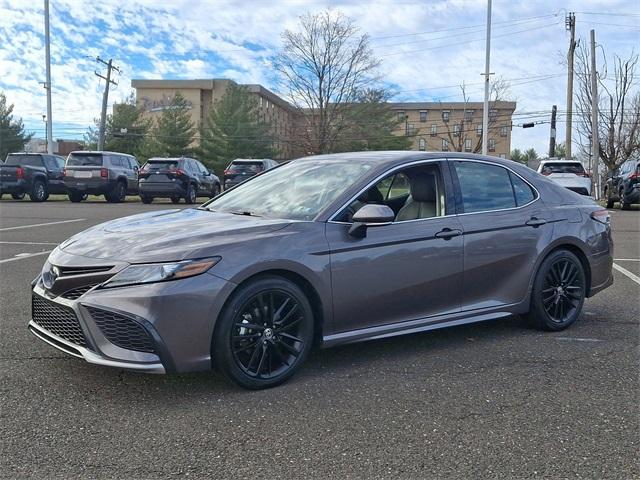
(433, 126)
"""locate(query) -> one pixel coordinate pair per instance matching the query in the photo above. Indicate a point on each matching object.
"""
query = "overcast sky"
(427, 48)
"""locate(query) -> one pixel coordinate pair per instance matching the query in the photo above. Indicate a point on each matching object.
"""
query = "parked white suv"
(568, 173)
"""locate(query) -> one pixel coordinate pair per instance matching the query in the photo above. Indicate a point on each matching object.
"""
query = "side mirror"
(370, 215)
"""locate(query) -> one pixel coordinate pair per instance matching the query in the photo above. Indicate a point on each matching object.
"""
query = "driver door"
(402, 271)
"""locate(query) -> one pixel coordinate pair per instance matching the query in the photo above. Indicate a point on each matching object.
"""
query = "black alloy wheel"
(38, 191)
(264, 334)
(118, 194)
(559, 291)
(190, 196)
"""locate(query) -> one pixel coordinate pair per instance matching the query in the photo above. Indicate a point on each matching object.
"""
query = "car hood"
(168, 235)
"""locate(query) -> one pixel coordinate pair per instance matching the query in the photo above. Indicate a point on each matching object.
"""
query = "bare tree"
(325, 65)
(460, 129)
(618, 109)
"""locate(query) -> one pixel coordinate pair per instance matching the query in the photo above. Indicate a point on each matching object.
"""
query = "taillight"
(601, 216)
(229, 172)
(64, 172)
(104, 173)
(19, 172)
(546, 174)
(583, 174)
(180, 172)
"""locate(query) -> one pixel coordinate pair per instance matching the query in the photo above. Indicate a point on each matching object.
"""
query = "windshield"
(568, 167)
(84, 160)
(33, 160)
(245, 167)
(160, 165)
(298, 190)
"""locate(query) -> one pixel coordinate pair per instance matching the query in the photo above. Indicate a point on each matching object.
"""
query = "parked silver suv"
(114, 175)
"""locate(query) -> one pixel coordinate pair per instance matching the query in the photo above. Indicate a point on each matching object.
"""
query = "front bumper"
(154, 328)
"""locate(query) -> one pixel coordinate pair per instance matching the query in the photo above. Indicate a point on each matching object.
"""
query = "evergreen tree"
(126, 129)
(233, 129)
(172, 134)
(12, 135)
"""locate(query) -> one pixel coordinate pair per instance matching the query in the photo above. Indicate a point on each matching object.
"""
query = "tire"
(118, 194)
(39, 191)
(146, 199)
(175, 199)
(17, 196)
(215, 190)
(610, 201)
(559, 291)
(190, 197)
(276, 341)
(76, 197)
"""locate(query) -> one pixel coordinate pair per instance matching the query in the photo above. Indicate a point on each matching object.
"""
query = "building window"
(503, 155)
(422, 144)
(434, 130)
(401, 116)
(479, 129)
(411, 129)
(468, 115)
(467, 145)
(493, 113)
(423, 116)
(445, 115)
(492, 144)
(456, 130)
(445, 145)
(503, 131)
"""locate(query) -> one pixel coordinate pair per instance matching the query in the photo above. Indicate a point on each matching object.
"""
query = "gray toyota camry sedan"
(323, 250)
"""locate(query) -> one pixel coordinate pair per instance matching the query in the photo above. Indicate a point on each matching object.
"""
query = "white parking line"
(22, 256)
(626, 272)
(42, 224)
(626, 259)
(28, 243)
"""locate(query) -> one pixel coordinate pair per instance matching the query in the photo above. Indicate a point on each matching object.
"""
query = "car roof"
(98, 152)
(560, 160)
(248, 160)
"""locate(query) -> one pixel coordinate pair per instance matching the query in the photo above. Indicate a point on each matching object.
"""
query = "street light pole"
(47, 50)
(485, 111)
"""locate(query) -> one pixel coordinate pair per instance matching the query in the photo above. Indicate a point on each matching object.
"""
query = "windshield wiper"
(246, 213)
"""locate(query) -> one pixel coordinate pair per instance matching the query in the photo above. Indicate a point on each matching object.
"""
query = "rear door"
(505, 227)
(83, 167)
(159, 171)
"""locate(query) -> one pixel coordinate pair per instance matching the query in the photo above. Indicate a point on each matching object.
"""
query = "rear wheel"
(146, 199)
(558, 292)
(76, 197)
(118, 194)
(175, 199)
(264, 333)
(215, 190)
(39, 192)
(17, 196)
(190, 196)
(607, 195)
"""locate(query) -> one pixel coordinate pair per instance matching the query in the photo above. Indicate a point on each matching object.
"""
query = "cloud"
(236, 39)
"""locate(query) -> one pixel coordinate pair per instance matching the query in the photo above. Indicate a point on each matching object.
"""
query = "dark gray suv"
(112, 174)
(324, 250)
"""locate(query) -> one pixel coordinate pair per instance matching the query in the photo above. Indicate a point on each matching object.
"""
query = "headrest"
(372, 195)
(423, 187)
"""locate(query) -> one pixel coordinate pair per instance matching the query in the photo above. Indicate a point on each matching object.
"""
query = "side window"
(413, 193)
(50, 162)
(484, 187)
(522, 191)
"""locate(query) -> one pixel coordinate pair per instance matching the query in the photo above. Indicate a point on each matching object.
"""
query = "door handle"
(535, 222)
(447, 233)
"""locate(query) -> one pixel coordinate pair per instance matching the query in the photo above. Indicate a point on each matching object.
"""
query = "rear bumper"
(633, 195)
(90, 186)
(168, 189)
(19, 186)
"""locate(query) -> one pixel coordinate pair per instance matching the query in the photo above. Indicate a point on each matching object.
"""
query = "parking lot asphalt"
(491, 400)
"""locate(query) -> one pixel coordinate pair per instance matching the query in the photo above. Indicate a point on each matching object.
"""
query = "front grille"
(59, 320)
(76, 293)
(122, 331)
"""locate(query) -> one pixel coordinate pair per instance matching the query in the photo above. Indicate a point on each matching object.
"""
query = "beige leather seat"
(422, 199)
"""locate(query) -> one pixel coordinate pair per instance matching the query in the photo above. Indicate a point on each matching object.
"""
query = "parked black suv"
(624, 185)
(37, 174)
(176, 178)
(114, 175)
(243, 169)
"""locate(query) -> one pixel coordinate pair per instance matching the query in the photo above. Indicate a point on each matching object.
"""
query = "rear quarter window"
(484, 187)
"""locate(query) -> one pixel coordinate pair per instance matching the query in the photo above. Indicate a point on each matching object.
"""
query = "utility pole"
(552, 137)
(105, 99)
(47, 50)
(570, 24)
(595, 143)
(485, 111)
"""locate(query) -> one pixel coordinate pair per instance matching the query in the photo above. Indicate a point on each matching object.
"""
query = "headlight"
(160, 272)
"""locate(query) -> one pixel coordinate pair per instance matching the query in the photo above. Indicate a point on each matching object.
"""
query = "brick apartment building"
(433, 126)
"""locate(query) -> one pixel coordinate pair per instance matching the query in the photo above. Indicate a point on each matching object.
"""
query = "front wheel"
(215, 190)
(559, 290)
(264, 333)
